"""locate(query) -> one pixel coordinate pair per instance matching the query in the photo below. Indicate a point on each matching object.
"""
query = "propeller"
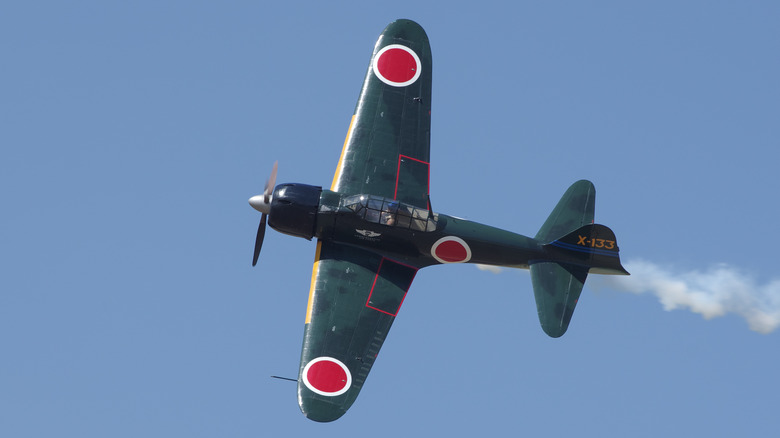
(262, 203)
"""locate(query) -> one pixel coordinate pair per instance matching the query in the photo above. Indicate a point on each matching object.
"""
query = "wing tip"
(319, 410)
(405, 27)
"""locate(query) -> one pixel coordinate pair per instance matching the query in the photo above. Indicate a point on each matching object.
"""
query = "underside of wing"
(354, 298)
(387, 149)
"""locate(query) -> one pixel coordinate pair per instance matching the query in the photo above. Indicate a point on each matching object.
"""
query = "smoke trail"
(715, 292)
(489, 268)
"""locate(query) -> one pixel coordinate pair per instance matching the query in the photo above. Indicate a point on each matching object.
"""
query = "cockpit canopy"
(390, 212)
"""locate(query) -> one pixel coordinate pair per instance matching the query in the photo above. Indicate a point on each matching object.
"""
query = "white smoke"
(715, 292)
(489, 268)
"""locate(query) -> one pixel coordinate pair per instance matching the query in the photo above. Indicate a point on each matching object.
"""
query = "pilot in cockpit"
(388, 213)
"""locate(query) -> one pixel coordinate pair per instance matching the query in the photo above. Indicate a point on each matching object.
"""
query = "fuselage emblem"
(451, 249)
(368, 233)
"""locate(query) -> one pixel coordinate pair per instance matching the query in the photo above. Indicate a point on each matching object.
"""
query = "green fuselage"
(409, 234)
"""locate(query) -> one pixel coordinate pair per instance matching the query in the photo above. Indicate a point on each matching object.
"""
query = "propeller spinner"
(262, 203)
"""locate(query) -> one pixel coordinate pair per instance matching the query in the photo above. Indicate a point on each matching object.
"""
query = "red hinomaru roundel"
(397, 65)
(327, 376)
(451, 249)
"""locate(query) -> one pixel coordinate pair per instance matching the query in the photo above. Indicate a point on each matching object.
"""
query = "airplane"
(375, 228)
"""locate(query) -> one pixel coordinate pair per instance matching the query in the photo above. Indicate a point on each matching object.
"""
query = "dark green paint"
(373, 245)
(575, 209)
(344, 327)
(341, 325)
(390, 122)
(557, 288)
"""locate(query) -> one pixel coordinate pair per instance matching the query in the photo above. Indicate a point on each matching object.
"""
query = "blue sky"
(132, 135)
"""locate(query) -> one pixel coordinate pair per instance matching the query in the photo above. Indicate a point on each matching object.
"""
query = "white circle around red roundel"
(451, 249)
(327, 376)
(397, 65)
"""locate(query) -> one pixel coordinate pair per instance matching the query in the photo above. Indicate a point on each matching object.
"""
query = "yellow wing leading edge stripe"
(319, 243)
(341, 158)
(313, 281)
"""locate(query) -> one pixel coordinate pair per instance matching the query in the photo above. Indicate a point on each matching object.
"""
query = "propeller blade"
(259, 239)
(263, 205)
(271, 183)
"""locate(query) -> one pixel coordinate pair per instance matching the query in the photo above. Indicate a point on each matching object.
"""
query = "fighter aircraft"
(376, 227)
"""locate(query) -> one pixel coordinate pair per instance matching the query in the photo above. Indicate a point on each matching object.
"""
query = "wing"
(387, 149)
(353, 300)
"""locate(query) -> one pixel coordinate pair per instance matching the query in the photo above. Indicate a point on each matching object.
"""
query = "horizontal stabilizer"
(557, 288)
(575, 209)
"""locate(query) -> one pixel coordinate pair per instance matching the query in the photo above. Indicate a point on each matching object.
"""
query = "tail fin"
(573, 247)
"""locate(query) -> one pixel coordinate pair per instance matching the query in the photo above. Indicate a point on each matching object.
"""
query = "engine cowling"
(294, 209)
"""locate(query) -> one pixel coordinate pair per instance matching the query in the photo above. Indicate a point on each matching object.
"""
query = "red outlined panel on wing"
(412, 183)
(392, 117)
(391, 283)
